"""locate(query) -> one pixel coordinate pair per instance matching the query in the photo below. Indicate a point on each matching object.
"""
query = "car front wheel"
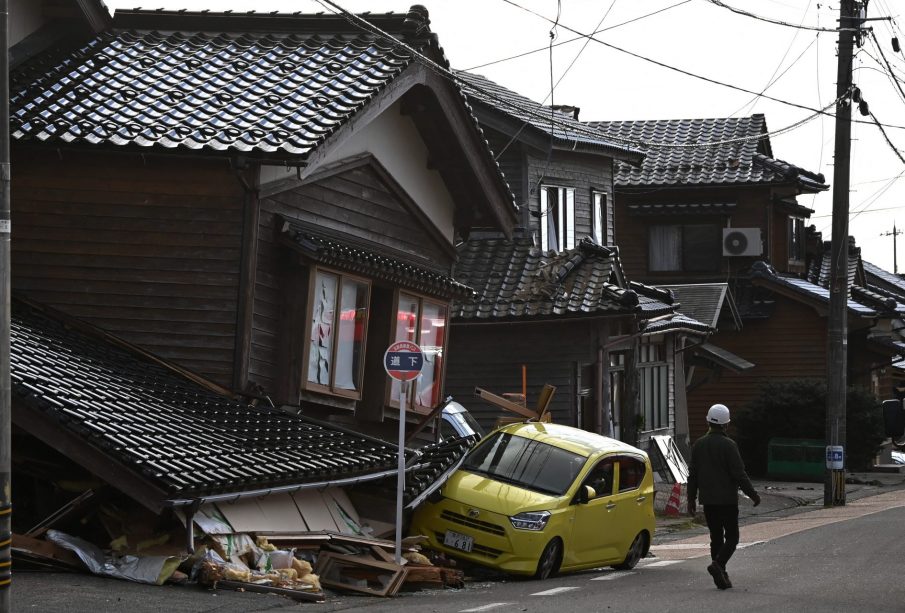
(634, 553)
(550, 559)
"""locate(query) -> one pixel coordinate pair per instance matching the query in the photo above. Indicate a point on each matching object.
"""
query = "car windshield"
(525, 463)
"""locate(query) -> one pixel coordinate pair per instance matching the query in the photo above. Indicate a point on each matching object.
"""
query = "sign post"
(403, 362)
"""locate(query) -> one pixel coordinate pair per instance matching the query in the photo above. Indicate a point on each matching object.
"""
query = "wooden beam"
(505, 404)
(77, 449)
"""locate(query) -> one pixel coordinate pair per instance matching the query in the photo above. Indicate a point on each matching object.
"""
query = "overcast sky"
(792, 64)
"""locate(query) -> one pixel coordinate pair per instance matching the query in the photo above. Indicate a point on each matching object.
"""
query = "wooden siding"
(147, 248)
(790, 344)
(632, 230)
(354, 205)
(491, 356)
(583, 172)
(512, 162)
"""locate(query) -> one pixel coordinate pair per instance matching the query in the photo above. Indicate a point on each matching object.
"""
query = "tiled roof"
(515, 279)
(270, 85)
(336, 253)
(742, 162)
(177, 434)
(701, 301)
(808, 289)
(882, 298)
(884, 279)
(681, 208)
(677, 322)
(434, 465)
(565, 130)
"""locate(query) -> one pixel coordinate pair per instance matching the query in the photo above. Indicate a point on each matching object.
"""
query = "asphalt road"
(836, 560)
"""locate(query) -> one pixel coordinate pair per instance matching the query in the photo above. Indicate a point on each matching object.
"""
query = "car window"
(525, 463)
(631, 473)
(601, 477)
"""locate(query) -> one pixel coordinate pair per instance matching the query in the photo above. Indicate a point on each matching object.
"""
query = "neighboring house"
(785, 333)
(266, 200)
(695, 212)
(575, 322)
(560, 173)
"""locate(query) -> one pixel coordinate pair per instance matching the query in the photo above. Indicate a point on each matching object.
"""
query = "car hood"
(485, 493)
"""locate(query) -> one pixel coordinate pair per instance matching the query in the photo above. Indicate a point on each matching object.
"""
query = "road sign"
(403, 360)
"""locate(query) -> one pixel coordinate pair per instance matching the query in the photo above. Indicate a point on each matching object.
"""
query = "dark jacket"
(717, 470)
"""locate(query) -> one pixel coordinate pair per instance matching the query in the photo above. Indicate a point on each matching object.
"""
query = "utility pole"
(6, 501)
(837, 324)
(895, 259)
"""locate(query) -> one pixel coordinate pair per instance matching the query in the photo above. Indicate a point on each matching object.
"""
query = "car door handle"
(610, 505)
(640, 498)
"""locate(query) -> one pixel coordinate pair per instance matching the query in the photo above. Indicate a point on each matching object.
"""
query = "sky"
(793, 64)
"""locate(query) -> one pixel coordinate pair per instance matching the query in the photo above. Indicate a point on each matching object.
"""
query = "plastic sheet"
(141, 569)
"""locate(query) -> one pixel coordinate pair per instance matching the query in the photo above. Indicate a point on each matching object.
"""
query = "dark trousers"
(722, 521)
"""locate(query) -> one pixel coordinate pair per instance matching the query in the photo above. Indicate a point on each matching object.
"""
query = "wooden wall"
(147, 248)
(491, 356)
(790, 344)
(355, 204)
(632, 230)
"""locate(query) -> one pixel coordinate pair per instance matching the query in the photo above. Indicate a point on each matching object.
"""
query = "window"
(631, 473)
(796, 239)
(557, 218)
(653, 372)
(337, 328)
(525, 463)
(684, 248)
(422, 321)
(601, 478)
(598, 217)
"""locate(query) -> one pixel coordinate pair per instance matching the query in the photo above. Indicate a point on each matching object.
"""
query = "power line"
(691, 74)
(777, 21)
(572, 40)
(575, 127)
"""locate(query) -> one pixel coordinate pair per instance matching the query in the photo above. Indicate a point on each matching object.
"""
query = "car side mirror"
(585, 493)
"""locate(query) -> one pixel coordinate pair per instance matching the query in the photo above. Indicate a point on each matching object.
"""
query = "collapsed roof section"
(167, 438)
(513, 279)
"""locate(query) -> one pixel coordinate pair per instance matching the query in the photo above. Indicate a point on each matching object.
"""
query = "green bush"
(796, 408)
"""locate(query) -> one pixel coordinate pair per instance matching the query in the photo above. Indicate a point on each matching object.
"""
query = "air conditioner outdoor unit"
(742, 241)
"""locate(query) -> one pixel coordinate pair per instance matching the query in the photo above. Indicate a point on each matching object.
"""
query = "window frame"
(331, 389)
(653, 384)
(598, 215)
(625, 459)
(795, 240)
(683, 253)
(564, 220)
(391, 399)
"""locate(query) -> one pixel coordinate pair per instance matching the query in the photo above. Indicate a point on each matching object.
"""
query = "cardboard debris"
(43, 554)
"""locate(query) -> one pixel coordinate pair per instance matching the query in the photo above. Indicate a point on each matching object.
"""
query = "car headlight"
(530, 521)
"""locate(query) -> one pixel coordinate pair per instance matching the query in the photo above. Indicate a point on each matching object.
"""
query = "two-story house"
(266, 200)
(554, 298)
(710, 205)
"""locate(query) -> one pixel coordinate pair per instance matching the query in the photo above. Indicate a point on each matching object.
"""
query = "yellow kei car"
(538, 498)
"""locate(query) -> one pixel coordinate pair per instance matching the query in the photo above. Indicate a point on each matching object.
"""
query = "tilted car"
(539, 498)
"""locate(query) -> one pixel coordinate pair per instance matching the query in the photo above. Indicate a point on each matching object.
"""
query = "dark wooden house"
(572, 320)
(696, 212)
(265, 200)
(554, 299)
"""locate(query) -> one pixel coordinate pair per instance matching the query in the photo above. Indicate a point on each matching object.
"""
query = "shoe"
(720, 579)
(726, 577)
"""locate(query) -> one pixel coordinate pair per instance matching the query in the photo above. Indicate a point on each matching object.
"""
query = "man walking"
(717, 471)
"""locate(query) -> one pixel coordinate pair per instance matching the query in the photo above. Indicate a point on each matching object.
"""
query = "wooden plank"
(67, 510)
(313, 508)
(504, 404)
(300, 595)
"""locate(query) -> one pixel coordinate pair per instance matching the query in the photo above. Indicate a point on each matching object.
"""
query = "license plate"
(459, 541)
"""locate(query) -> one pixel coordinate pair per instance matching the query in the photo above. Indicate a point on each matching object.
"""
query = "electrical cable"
(685, 72)
(572, 40)
(774, 78)
(576, 127)
(778, 21)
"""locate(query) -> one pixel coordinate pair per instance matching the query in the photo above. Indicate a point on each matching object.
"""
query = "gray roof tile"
(748, 161)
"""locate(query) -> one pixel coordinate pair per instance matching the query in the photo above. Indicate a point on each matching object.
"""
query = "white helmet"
(718, 414)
